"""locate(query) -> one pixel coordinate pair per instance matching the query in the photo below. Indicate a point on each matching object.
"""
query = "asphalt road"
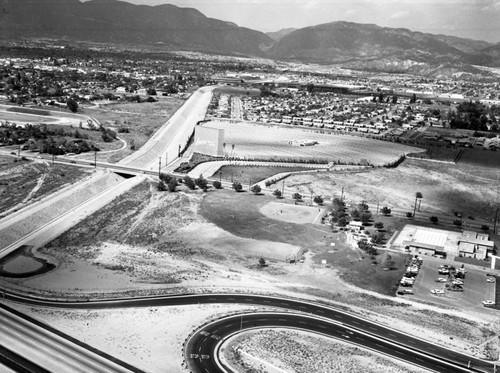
(387, 335)
(17, 363)
(202, 349)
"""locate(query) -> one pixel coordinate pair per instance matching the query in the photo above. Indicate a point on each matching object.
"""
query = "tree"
(277, 193)
(409, 215)
(485, 227)
(367, 247)
(395, 99)
(434, 219)
(318, 200)
(297, 196)
(256, 189)
(356, 215)
(72, 105)
(201, 182)
(161, 186)
(172, 184)
(457, 222)
(379, 225)
(413, 99)
(342, 221)
(365, 217)
(217, 184)
(237, 186)
(378, 238)
(386, 210)
(262, 262)
(363, 206)
(189, 183)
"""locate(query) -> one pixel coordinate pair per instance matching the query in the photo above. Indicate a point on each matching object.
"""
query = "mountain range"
(171, 27)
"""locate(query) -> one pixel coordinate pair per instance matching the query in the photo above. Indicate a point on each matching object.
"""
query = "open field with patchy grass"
(22, 182)
(446, 188)
(281, 350)
(259, 141)
(141, 119)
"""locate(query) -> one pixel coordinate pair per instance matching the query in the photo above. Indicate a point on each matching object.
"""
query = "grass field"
(259, 141)
(481, 158)
(251, 174)
(240, 214)
(440, 154)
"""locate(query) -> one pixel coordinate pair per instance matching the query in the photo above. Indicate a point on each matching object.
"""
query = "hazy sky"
(475, 19)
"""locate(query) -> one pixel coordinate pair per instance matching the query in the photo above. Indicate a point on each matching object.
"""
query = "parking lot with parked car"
(467, 287)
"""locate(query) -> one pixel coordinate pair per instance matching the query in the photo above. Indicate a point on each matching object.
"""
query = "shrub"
(237, 186)
(256, 189)
(217, 184)
(318, 200)
(277, 193)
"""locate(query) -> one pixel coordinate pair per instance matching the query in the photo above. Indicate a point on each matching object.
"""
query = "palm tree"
(418, 196)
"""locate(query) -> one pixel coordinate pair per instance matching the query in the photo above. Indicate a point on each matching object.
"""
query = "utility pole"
(95, 158)
(342, 194)
(159, 167)
(283, 189)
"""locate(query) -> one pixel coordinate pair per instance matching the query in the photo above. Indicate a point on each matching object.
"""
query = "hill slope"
(366, 45)
(121, 22)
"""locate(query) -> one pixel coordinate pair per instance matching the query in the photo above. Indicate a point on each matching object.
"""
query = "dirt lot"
(22, 182)
(279, 350)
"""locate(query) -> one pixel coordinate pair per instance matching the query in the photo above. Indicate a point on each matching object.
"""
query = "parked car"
(441, 279)
(406, 291)
(488, 303)
(437, 291)
(490, 279)
(457, 282)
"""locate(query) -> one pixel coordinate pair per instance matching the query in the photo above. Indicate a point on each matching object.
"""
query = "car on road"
(490, 279)
(437, 291)
(488, 303)
(441, 279)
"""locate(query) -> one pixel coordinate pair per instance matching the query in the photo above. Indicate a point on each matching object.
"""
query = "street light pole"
(159, 167)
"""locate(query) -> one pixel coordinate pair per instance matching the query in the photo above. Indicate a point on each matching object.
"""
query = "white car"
(441, 279)
(488, 303)
(457, 282)
(437, 291)
(490, 279)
